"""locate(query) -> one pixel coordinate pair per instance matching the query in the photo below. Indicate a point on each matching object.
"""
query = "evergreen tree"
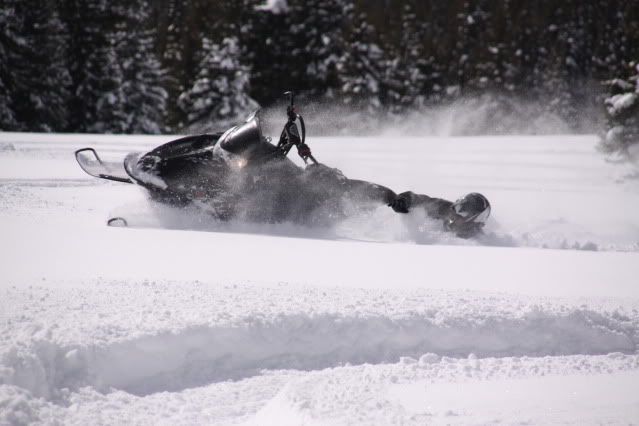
(374, 55)
(622, 112)
(142, 75)
(402, 72)
(437, 45)
(98, 102)
(362, 68)
(476, 47)
(317, 33)
(219, 97)
(103, 85)
(524, 49)
(117, 78)
(412, 75)
(8, 42)
(298, 47)
(268, 50)
(33, 76)
(177, 47)
(180, 40)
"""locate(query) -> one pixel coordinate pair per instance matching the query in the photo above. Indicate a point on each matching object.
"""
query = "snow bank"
(18, 407)
(447, 390)
(236, 331)
(551, 390)
(548, 399)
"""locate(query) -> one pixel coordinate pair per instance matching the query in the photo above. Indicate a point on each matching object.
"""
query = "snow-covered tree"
(317, 29)
(622, 112)
(362, 69)
(178, 43)
(274, 6)
(267, 54)
(296, 45)
(182, 28)
(117, 78)
(410, 74)
(8, 38)
(98, 101)
(219, 97)
(34, 80)
(142, 74)
(103, 86)
(477, 50)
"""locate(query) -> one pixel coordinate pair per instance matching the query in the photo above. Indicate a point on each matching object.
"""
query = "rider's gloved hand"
(304, 150)
(401, 203)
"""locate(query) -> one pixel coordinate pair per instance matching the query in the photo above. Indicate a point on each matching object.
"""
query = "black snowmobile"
(240, 174)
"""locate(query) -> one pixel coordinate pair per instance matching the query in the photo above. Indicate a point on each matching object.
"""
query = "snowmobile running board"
(97, 168)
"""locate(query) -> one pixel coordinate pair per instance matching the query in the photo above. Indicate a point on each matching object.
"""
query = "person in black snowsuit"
(319, 193)
(465, 217)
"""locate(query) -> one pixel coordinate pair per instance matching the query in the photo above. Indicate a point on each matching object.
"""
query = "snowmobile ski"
(118, 222)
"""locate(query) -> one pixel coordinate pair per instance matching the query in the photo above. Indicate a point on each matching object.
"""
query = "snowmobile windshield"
(244, 137)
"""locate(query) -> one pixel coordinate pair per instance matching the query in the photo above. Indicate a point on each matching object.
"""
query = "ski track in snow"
(86, 342)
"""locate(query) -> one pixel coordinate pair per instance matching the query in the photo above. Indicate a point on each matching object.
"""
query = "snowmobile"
(239, 174)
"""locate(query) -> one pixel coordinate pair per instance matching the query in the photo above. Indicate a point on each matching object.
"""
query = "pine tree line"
(622, 113)
(136, 66)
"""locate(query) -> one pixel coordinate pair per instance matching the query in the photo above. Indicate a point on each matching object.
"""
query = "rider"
(465, 217)
(319, 184)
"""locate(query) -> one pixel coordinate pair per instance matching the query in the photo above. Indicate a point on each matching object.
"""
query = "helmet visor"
(469, 214)
(483, 216)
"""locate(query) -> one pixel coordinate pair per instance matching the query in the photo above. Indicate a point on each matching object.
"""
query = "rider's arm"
(437, 208)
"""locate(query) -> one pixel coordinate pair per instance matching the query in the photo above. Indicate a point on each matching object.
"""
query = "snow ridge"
(199, 354)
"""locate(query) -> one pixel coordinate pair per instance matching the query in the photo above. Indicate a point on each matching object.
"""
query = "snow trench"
(200, 355)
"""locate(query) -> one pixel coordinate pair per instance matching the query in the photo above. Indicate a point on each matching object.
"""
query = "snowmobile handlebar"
(290, 135)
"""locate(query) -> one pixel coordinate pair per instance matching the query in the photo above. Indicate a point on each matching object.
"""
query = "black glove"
(401, 203)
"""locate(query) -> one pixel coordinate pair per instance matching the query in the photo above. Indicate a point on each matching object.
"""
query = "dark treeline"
(136, 66)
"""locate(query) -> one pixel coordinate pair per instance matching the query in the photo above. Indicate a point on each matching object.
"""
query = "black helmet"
(473, 207)
(468, 214)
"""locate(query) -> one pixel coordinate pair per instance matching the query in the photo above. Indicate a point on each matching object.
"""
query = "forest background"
(169, 66)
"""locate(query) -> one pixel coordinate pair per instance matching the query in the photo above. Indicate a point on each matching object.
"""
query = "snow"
(274, 6)
(567, 399)
(382, 319)
(619, 103)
